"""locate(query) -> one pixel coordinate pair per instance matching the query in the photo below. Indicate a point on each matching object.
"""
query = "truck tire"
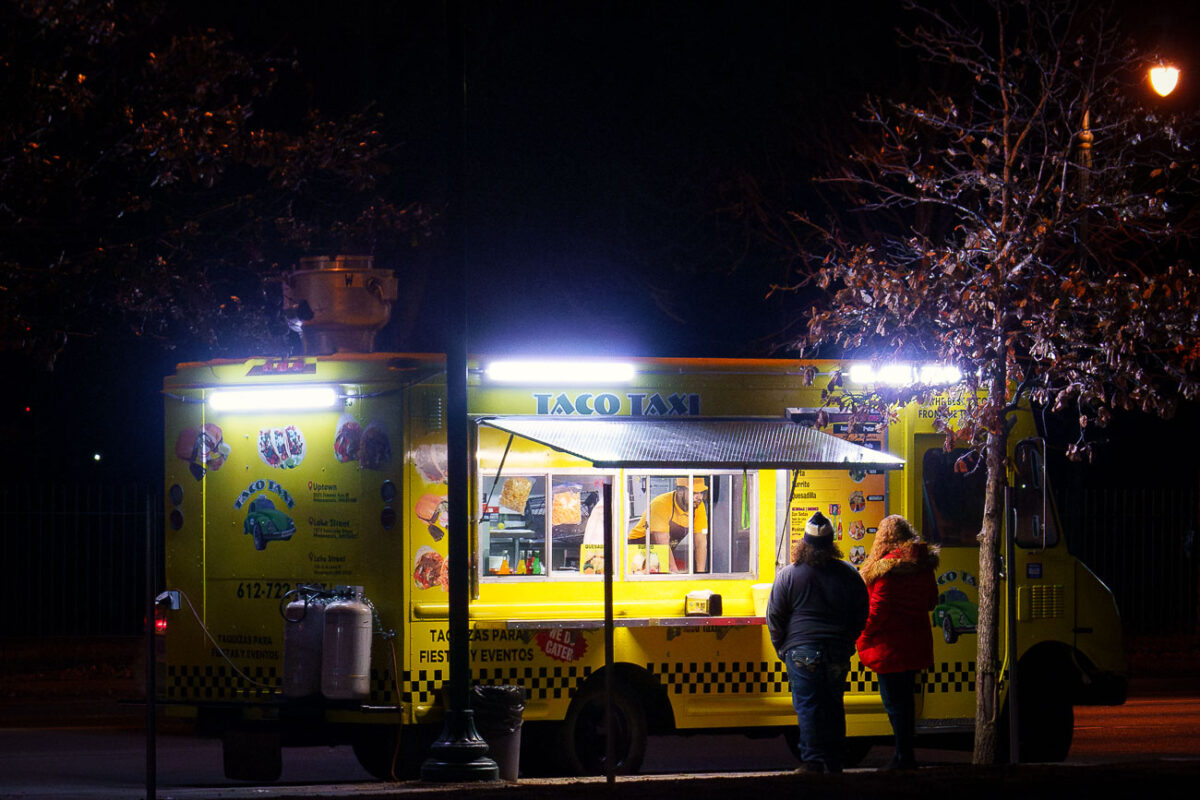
(1047, 721)
(584, 736)
(388, 752)
(541, 750)
(251, 755)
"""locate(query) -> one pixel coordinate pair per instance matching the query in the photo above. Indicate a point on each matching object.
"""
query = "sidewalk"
(1023, 782)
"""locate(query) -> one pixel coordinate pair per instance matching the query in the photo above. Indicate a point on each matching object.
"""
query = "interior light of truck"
(897, 375)
(276, 398)
(560, 372)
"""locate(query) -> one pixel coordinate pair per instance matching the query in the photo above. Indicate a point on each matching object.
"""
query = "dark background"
(609, 148)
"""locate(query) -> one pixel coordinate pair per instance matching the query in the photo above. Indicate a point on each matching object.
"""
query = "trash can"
(499, 711)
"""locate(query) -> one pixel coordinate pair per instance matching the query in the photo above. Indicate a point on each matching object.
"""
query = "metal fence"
(74, 559)
(1141, 543)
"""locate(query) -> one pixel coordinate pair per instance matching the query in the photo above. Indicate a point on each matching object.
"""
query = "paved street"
(1160, 722)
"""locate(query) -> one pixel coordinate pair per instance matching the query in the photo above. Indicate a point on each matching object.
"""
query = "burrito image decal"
(429, 569)
(375, 450)
(347, 439)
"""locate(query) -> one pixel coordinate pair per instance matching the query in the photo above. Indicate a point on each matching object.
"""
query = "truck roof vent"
(338, 303)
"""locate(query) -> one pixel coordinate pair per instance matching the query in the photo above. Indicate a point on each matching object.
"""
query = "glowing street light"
(1164, 79)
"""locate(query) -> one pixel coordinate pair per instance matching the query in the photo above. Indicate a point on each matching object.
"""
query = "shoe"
(811, 768)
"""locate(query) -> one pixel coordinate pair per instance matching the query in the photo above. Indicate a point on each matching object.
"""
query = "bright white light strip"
(596, 372)
(277, 398)
(899, 375)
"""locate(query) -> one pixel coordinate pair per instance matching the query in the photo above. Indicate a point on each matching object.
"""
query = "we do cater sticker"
(562, 644)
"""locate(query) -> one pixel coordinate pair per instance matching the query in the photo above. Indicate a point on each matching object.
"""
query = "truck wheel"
(385, 751)
(1047, 727)
(250, 755)
(585, 737)
(541, 750)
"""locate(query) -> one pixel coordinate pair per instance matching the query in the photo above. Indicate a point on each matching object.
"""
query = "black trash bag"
(498, 709)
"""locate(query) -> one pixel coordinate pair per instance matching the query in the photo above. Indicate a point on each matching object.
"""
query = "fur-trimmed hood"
(904, 558)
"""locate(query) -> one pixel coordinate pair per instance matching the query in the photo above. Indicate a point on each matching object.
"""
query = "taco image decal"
(282, 448)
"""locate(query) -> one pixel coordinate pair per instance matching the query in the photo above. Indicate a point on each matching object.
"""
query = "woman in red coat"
(898, 640)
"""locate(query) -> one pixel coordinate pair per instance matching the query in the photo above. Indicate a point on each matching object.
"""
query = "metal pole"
(460, 754)
(610, 744)
(1085, 181)
(151, 688)
(1010, 599)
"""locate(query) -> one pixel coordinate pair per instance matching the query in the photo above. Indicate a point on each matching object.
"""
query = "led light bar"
(899, 375)
(560, 372)
(275, 398)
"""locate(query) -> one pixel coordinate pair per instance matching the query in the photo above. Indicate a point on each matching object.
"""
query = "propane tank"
(303, 630)
(346, 648)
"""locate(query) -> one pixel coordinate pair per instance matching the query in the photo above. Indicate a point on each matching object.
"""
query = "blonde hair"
(893, 529)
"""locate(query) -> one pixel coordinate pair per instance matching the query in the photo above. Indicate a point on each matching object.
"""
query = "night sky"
(605, 140)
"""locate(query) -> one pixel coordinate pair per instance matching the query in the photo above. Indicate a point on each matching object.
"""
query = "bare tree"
(1026, 223)
(153, 172)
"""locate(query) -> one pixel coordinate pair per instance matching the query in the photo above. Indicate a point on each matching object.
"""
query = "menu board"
(854, 500)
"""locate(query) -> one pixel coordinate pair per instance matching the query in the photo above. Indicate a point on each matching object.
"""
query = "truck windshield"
(953, 498)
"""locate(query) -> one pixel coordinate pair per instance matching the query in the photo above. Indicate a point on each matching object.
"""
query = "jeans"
(896, 690)
(817, 675)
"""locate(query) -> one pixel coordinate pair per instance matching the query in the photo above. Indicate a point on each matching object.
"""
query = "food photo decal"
(369, 446)
(429, 569)
(282, 448)
(204, 448)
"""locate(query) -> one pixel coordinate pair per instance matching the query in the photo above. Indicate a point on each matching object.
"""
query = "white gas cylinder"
(346, 648)
(303, 631)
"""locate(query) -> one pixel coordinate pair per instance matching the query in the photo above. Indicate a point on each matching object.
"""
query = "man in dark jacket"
(817, 609)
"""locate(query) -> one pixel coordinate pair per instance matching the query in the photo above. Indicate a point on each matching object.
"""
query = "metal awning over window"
(624, 442)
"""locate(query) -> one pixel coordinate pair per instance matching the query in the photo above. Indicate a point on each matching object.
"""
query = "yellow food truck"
(306, 555)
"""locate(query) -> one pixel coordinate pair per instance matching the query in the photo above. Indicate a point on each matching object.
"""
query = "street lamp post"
(1164, 78)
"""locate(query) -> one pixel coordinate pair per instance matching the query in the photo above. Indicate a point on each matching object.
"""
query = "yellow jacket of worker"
(667, 519)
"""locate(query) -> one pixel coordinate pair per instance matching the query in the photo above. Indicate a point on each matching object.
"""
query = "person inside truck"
(667, 519)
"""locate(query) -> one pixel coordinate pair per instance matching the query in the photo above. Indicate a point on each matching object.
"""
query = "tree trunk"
(987, 659)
